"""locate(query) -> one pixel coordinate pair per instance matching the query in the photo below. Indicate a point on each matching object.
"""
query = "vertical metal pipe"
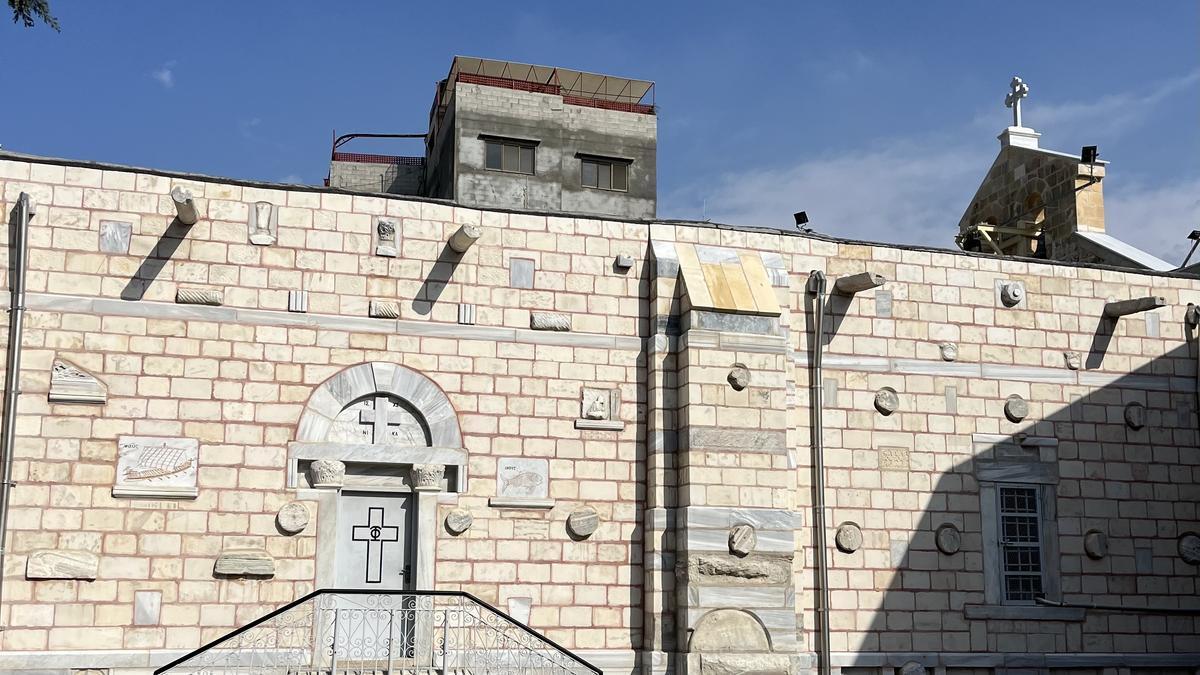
(817, 287)
(391, 640)
(333, 658)
(18, 256)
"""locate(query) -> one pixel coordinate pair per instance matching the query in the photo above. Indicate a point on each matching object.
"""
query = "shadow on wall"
(1089, 505)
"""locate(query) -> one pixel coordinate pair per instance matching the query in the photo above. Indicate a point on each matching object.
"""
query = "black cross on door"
(376, 534)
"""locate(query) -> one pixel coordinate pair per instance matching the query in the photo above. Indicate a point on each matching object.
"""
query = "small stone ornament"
(1016, 408)
(1135, 416)
(385, 237)
(292, 517)
(739, 377)
(245, 562)
(949, 351)
(742, 540)
(327, 473)
(552, 321)
(427, 477)
(1095, 544)
(1011, 294)
(71, 384)
(887, 401)
(1189, 548)
(912, 668)
(595, 404)
(583, 522)
(948, 539)
(848, 538)
(264, 224)
(62, 564)
(459, 521)
(1073, 360)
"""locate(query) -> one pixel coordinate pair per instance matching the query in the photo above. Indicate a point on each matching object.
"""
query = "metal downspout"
(17, 263)
(1192, 318)
(816, 286)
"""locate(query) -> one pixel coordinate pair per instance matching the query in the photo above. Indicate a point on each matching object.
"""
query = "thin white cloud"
(246, 127)
(1156, 219)
(165, 75)
(292, 179)
(906, 192)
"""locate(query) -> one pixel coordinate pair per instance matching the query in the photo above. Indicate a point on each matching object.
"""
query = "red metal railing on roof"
(541, 88)
(506, 83)
(368, 158)
(583, 101)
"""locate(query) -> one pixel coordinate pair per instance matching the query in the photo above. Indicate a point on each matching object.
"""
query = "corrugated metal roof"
(1130, 253)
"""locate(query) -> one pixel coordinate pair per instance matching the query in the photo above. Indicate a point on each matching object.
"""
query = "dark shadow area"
(1100, 341)
(150, 268)
(1088, 505)
(439, 276)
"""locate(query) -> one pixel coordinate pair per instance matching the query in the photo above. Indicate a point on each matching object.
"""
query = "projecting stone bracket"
(1120, 308)
(185, 206)
(855, 283)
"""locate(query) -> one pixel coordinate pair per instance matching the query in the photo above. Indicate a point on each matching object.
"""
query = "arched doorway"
(376, 444)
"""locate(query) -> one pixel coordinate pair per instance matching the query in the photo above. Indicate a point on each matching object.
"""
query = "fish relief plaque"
(151, 466)
(522, 478)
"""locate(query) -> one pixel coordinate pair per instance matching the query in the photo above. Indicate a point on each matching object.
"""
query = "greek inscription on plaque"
(150, 466)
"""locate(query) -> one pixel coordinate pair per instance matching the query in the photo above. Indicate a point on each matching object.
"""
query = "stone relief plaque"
(62, 564)
(151, 466)
(522, 478)
(893, 459)
(264, 224)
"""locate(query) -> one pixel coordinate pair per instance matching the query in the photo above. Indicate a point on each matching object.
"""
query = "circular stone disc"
(949, 539)
(742, 540)
(1189, 548)
(459, 521)
(848, 538)
(887, 401)
(739, 377)
(1016, 408)
(583, 522)
(1095, 544)
(1135, 416)
(292, 517)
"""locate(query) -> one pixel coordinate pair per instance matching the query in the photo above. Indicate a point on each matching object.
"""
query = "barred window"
(1020, 543)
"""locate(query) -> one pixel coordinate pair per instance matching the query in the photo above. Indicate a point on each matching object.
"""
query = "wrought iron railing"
(365, 632)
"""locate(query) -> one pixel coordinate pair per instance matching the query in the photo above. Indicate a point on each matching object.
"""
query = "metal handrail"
(462, 595)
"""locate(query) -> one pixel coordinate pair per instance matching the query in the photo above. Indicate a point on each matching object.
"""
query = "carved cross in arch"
(1019, 90)
(382, 424)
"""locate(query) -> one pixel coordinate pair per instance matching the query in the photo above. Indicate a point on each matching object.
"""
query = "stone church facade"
(604, 428)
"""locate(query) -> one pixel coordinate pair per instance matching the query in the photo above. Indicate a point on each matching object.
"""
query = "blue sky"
(878, 118)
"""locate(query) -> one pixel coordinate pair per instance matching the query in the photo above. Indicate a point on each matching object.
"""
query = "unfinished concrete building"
(511, 135)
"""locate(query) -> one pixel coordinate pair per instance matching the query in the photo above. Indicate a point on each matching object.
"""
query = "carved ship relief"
(159, 462)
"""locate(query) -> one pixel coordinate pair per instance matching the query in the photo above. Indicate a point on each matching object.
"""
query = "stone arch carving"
(420, 394)
(730, 630)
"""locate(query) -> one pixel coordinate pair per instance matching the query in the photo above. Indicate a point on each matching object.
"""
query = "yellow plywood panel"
(693, 276)
(743, 298)
(718, 287)
(760, 283)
